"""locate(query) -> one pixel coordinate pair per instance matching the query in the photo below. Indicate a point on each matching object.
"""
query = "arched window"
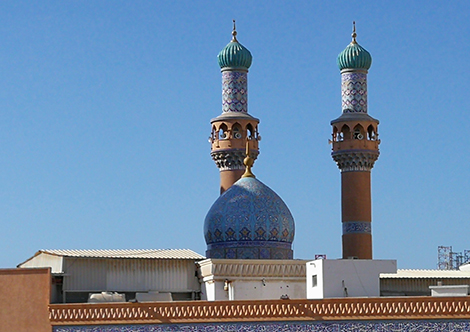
(237, 131)
(213, 134)
(345, 132)
(223, 134)
(358, 132)
(336, 136)
(249, 131)
(371, 133)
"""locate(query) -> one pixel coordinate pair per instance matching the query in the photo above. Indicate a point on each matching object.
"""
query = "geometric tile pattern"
(249, 221)
(234, 92)
(355, 227)
(354, 92)
(315, 326)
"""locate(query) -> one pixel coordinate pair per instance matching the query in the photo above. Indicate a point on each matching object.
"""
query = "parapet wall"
(24, 300)
(314, 311)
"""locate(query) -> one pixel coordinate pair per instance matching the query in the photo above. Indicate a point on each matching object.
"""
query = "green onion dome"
(234, 55)
(354, 56)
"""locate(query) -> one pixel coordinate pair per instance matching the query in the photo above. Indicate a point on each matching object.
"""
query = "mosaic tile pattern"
(249, 221)
(354, 92)
(355, 227)
(318, 326)
(234, 92)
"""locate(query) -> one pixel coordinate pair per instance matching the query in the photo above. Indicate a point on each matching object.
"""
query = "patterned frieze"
(354, 92)
(254, 269)
(287, 326)
(265, 251)
(357, 227)
(234, 91)
(355, 160)
(421, 313)
(227, 160)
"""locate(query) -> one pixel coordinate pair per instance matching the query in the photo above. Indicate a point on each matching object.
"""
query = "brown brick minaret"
(355, 150)
(234, 127)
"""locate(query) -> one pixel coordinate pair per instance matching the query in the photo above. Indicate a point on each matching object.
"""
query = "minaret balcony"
(223, 144)
(356, 144)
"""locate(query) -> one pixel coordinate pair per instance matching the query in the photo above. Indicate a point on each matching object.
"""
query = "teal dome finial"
(234, 55)
(354, 56)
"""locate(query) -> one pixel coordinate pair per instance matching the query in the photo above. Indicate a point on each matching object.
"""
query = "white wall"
(251, 279)
(45, 260)
(242, 289)
(346, 277)
(449, 290)
(213, 290)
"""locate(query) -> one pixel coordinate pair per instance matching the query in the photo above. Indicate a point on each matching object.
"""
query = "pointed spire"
(354, 34)
(234, 33)
(248, 162)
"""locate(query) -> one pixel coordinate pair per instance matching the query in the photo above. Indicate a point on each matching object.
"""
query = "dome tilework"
(249, 220)
(235, 55)
(354, 56)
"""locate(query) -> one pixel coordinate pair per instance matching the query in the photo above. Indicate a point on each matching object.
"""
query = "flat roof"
(405, 273)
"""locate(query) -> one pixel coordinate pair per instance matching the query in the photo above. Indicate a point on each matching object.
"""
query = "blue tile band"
(357, 227)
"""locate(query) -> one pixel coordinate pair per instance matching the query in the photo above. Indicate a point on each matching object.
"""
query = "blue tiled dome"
(234, 55)
(249, 221)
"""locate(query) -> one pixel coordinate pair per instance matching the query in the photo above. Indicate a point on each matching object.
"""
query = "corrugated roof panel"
(128, 253)
(427, 274)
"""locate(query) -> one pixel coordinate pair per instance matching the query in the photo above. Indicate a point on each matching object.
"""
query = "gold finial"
(234, 33)
(248, 162)
(354, 35)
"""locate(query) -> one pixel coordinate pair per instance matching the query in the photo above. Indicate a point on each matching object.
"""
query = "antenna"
(450, 260)
(444, 258)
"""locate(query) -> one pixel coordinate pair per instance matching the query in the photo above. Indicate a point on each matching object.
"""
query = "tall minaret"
(355, 150)
(234, 126)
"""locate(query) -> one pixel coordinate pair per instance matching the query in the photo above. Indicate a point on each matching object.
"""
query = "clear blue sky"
(105, 111)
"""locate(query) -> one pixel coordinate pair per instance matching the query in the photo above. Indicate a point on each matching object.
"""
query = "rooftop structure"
(78, 273)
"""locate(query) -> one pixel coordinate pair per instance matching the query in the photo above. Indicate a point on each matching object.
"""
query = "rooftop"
(126, 253)
(427, 274)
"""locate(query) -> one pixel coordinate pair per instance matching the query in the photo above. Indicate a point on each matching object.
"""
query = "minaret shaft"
(354, 92)
(356, 215)
(229, 177)
(234, 91)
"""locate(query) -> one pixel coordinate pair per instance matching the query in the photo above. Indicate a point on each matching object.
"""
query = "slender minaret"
(355, 150)
(234, 126)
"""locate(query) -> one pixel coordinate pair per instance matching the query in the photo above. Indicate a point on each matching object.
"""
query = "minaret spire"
(234, 33)
(354, 35)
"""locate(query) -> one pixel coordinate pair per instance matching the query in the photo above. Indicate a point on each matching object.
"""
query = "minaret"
(355, 150)
(234, 126)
